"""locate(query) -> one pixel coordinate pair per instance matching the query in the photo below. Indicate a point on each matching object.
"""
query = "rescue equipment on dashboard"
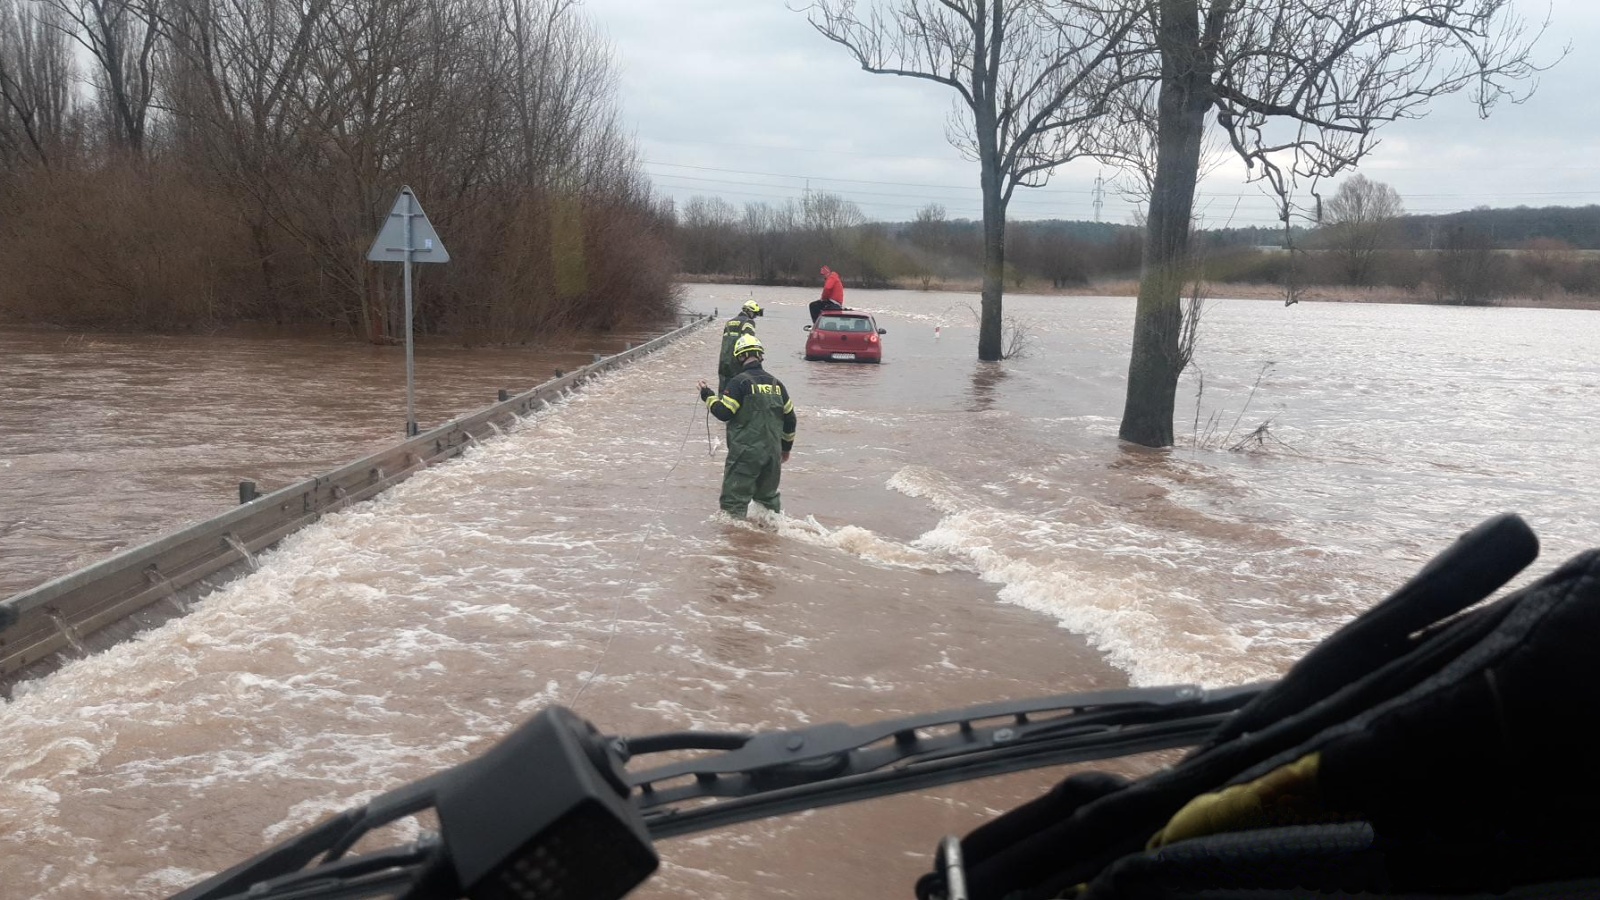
(1393, 759)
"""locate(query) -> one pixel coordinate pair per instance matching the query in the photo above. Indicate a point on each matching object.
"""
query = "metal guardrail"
(38, 624)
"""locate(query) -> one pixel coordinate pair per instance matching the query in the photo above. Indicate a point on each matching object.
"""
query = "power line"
(781, 149)
(1540, 167)
(973, 210)
(922, 198)
(1026, 205)
(1090, 192)
(959, 187)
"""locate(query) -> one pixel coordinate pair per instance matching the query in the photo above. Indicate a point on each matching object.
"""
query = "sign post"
(407, 237)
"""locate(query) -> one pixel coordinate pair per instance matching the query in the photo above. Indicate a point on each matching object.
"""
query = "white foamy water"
(954, 532)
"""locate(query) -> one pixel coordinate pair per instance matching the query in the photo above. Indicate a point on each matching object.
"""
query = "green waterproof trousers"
(750, 474)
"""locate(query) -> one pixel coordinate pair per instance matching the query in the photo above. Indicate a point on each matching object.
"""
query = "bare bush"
(124, 247)
(1257, 439)
(290, 125)
(1018, 337)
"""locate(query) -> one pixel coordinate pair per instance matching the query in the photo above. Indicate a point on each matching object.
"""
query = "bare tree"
(121, 36)
(1301, 88)
(562, 84)
(829, 214)
(1031, 76)
(36, 77)
(708, 227)
(929, 234)
(1358, 222)
(767, 230)
(829, 220)
(315, 110)
(308, 114)
(930, 230)
(236, 80)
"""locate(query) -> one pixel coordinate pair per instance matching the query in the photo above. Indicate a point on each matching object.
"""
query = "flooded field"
(955, 532)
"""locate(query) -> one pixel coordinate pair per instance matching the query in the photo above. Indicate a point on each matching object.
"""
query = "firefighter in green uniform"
(737, 327)
(761, 425)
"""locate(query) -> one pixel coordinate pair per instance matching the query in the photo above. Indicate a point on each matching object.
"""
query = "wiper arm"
(773, 773)
(382, 873)
(500, 811)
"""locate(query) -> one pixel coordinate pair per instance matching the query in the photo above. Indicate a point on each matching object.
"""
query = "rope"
(616, 606)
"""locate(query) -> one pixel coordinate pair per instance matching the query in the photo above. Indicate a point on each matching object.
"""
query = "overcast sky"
(743, 99)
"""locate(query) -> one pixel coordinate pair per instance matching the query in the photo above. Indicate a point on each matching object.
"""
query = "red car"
(845, 335)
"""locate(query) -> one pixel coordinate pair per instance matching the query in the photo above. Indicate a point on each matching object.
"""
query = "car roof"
(848, 314)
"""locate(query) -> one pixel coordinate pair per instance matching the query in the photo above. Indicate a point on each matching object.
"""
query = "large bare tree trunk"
(994, 247)
(1157, 357)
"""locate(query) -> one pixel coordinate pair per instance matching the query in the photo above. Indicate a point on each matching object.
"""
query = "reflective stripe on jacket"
(758, 411)
(732, 330)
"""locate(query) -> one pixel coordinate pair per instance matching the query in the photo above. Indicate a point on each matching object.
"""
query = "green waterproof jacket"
(758, 411)
(732, 330)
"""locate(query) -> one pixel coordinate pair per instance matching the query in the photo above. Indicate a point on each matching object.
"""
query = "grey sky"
(742, 99)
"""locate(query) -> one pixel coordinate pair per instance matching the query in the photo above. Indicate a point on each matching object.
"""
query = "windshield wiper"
(779, 772)
(555, 779)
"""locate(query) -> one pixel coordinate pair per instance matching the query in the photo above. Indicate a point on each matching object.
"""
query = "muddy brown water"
(955, 532)
(111, 440)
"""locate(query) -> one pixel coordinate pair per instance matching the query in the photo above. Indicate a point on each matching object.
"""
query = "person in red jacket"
(832, 294)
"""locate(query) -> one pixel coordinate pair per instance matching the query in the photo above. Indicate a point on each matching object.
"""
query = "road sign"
(393, 241)
(408, 237)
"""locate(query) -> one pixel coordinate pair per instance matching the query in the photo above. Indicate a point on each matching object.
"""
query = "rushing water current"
(955, 532)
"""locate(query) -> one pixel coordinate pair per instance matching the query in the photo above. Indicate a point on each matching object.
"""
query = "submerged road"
(956, 532)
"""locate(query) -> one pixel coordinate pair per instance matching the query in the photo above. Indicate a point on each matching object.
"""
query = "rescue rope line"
(633, 566)
(711, 450)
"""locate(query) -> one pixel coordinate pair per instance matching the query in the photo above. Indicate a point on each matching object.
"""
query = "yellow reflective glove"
(1288, 795)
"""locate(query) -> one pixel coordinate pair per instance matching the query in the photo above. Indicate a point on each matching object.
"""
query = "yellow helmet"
(752, 307)
(746, 345)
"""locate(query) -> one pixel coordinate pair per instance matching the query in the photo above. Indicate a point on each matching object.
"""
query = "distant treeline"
(233, 159)
(1474, 256)
(787, 243)
(1577, 227)
(1477, 256)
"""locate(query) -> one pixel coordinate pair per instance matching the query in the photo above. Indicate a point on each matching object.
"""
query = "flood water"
(108, 441)
(955, 532)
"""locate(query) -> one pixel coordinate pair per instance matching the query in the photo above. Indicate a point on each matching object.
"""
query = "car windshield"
(845, 323)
